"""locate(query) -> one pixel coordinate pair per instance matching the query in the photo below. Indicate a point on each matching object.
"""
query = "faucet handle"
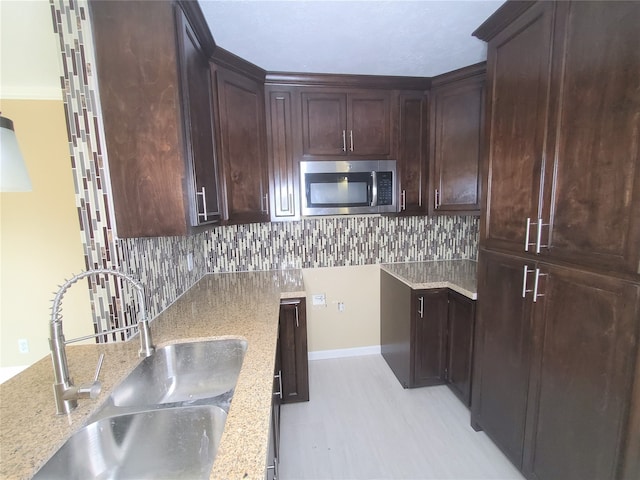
(98, 368)
(92, 390)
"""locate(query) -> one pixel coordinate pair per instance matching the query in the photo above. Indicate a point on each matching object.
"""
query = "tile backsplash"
(340, 241)
(161, 263)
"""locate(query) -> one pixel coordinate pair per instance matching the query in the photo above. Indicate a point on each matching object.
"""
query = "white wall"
(358, 287)
(29, 66)
(40, 242)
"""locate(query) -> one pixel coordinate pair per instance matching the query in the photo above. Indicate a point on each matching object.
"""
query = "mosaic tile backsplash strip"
(112, 304)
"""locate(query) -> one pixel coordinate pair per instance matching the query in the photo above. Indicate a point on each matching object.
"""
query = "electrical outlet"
(189, 261)
(23, 345)
(341, 306)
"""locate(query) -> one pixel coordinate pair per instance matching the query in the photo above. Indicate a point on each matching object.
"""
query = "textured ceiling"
(409, 38)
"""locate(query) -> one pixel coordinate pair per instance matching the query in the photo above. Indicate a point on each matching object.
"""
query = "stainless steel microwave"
(348, 187)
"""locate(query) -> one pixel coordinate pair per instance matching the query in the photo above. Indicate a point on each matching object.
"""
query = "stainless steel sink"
(193, 373)
(159, 444)
(164, 420)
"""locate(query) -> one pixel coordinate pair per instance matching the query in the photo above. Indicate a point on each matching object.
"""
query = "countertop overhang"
(458, 275)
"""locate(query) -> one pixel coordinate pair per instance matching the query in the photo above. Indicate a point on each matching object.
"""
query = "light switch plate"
(319, 300)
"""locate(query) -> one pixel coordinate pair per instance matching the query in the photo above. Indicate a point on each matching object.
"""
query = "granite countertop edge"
(457, 275)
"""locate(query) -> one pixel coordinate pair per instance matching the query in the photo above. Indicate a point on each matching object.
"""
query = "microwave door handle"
(374, 189)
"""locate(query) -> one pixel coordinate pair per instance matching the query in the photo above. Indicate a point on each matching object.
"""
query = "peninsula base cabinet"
(556, 380)
(293, 350)
(426, 336)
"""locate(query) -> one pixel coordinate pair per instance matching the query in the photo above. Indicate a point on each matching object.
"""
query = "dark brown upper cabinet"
(284, 186)
(456, 132)
(562, 176)
(197, 92)
(158, 134)
(335, 123)
(412, 130)
(241, 140)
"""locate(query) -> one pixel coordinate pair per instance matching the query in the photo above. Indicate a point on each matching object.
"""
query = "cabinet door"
(198, 121)
(457, 113)
(503, 344)
(149, 169)
(518, 84)
(429, 337)
(283, 169)
(578, 401)
(293, 348)
(595, 216)
(412, 163)
(243, 148)
(396, 323)
(462, 315)
(369, 124)
(324, 119)
(274, 439)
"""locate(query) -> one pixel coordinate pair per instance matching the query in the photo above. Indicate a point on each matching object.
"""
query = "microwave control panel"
(385, 188)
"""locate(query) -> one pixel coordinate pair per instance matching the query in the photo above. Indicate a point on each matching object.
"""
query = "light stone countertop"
(242, 305)
(458, 275)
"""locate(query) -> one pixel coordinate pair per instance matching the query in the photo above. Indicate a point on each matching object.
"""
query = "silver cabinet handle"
(421, 309)
(539, 235)
(344, 140)
(266, 203)
(436, 199)
(204, 204)
(526, 235)
(403, 203)
(524, 281)
(297, 317)
(535, 285)
(538, 242)
(279, 392)
(351, 139)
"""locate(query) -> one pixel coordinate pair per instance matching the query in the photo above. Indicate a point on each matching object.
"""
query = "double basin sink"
(164, 420)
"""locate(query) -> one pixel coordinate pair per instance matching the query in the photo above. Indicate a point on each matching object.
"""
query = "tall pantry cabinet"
(557, 371)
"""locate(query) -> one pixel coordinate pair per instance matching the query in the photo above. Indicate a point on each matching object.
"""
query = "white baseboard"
(344, 352)
(7, 372)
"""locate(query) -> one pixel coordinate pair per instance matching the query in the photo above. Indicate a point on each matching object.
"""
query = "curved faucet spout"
(66, 394)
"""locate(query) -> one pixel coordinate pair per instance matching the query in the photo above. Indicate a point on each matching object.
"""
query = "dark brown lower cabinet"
(426, 336)
(273, 457)
(556, 381)
(460, 329)
(293, 350)
(428, 332)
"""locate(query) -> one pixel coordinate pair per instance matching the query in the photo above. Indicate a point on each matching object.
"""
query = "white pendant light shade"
(13, 172)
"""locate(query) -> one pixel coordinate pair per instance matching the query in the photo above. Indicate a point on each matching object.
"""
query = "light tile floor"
(361, 424)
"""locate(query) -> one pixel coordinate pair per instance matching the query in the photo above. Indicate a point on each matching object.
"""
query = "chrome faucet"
(65, 392)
